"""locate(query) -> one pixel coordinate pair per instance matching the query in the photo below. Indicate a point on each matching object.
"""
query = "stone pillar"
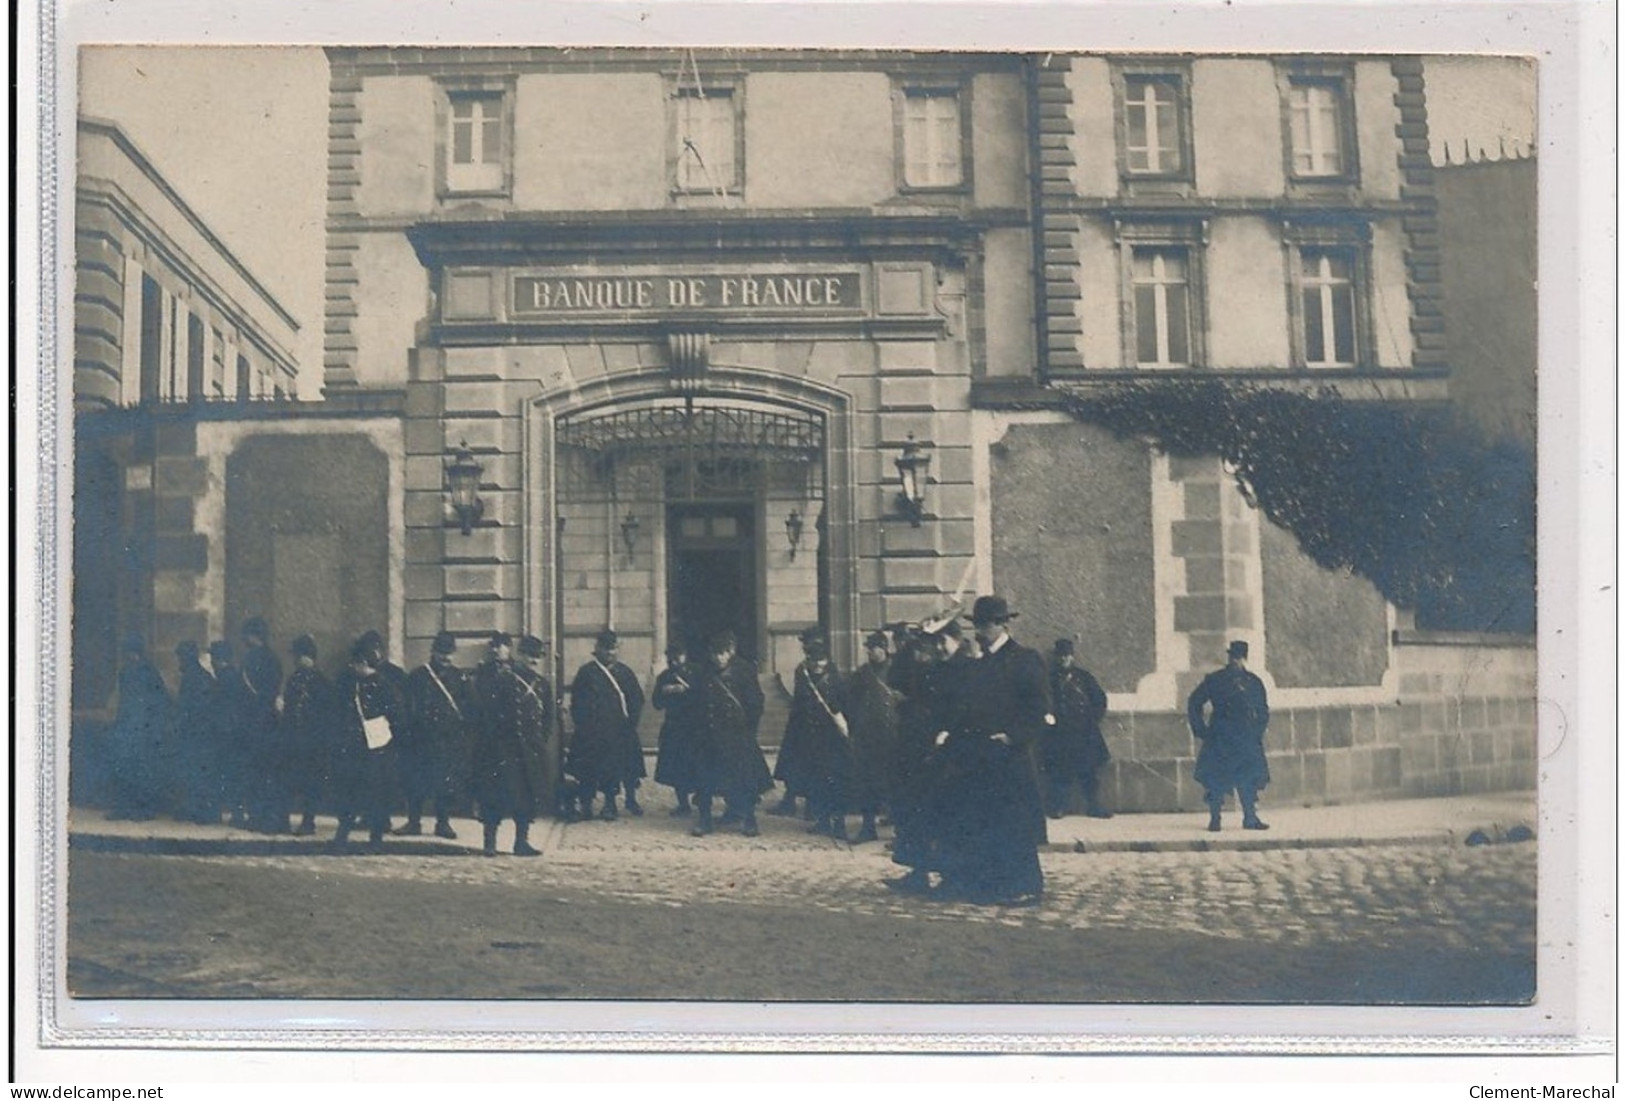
(1216, 541)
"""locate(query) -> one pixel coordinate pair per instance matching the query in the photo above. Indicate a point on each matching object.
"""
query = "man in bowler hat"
(1074, 748)
(996, 824)
(1228, 714)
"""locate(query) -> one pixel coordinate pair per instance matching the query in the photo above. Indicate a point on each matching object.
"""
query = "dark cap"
(500, 638)
(607, 640)
(255, 627)
(675, 648)
(877, 639)
(991, 609)
(723, 640)
(814, 641)
(366, 650)
(304, 646)
(220, 650)
(531, 647)
(1237, 649)
(444, 643)
(1063, 646)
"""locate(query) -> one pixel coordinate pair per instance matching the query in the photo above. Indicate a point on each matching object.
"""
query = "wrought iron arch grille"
(688, 451)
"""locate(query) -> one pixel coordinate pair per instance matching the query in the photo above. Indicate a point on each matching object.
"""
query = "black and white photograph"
(595, 528)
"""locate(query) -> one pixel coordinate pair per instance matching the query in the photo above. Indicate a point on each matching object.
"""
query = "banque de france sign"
(676, 292)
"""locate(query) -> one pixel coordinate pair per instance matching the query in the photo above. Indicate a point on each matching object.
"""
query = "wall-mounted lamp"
(912, 466)
(792, 531)
(463, 487)
(629, 532)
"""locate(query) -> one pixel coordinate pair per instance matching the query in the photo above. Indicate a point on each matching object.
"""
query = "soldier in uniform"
(606, 702)
(871, 709)
(996, 822)
(513, 711)
(1074, 747)
(1228, 714)
(676, 692)
(307, 723)
(369, 710)
(542, 717)
(815, 756)
(266, 760)
(434, 742)
(140, 726)
(731, 761)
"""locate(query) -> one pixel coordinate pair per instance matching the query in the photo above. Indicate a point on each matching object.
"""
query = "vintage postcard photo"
(689, 526)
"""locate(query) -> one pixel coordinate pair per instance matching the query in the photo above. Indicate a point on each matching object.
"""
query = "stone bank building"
(762, 340)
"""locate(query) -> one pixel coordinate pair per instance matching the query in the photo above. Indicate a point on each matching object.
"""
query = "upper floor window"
(1163, 299)
(1320, 126)
(217, 365)
(707, 135)
(1329, 315)
(933, 139)
(1153, 130)
(477, 140)
(1161, 305)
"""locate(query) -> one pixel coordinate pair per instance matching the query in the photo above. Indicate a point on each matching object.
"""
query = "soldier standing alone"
(606, 702)
(1228, 713)
(1074, 747)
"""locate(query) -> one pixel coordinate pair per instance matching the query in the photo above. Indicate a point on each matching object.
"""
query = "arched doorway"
(674, 515)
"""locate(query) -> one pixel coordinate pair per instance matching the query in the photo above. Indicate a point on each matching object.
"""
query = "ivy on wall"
(1411, 498)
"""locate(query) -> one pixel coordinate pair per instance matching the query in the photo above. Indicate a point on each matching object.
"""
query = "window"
(1161, 304)
(152, 338)
(1163, 313)
(194, 357)
(1328, 302)
(1320, 128)
(1151, 125)
(706, 134)
(244, 378)
(476, 139)
(933, 139)
(217, 366)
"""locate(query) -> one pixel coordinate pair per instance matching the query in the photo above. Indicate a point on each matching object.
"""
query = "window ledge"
(1481, 639)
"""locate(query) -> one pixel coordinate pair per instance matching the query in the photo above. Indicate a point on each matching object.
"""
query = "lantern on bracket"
(792, 531)
(912, 467)
(463, 487)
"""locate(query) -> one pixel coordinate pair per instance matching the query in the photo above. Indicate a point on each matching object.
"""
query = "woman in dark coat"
(234, 727)
(513, 716)
(731, 761)
(197, 749)
(871, 709)
(140, 726)
(365, 770)
(676, 692)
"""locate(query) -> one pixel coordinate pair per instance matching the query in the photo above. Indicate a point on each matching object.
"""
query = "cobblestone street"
(606, 914)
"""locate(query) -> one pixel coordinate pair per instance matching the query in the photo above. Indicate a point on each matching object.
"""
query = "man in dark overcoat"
(815, 756)
(308, 718)
(676, 692)
(197, 781)
(435, 740)
(140, 728)
(233, 708)
(261, 674)
(364, 754)
(1074, 748)
(513, 713)
(1228, 714)
(606, 702)
(731, 761)
(871, 711)
(995, 823)
(542, 716)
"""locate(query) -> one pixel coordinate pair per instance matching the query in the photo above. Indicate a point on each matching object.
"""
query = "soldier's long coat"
(871, 710)
(605, 751)
(731, 761)
(677, 693)
(1228, 714)
(515, 717)
(815, 758)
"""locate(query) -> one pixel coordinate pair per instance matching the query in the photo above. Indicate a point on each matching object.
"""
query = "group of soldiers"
(966, 740)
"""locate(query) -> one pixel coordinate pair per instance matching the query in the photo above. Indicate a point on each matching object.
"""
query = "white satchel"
(375, 730)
